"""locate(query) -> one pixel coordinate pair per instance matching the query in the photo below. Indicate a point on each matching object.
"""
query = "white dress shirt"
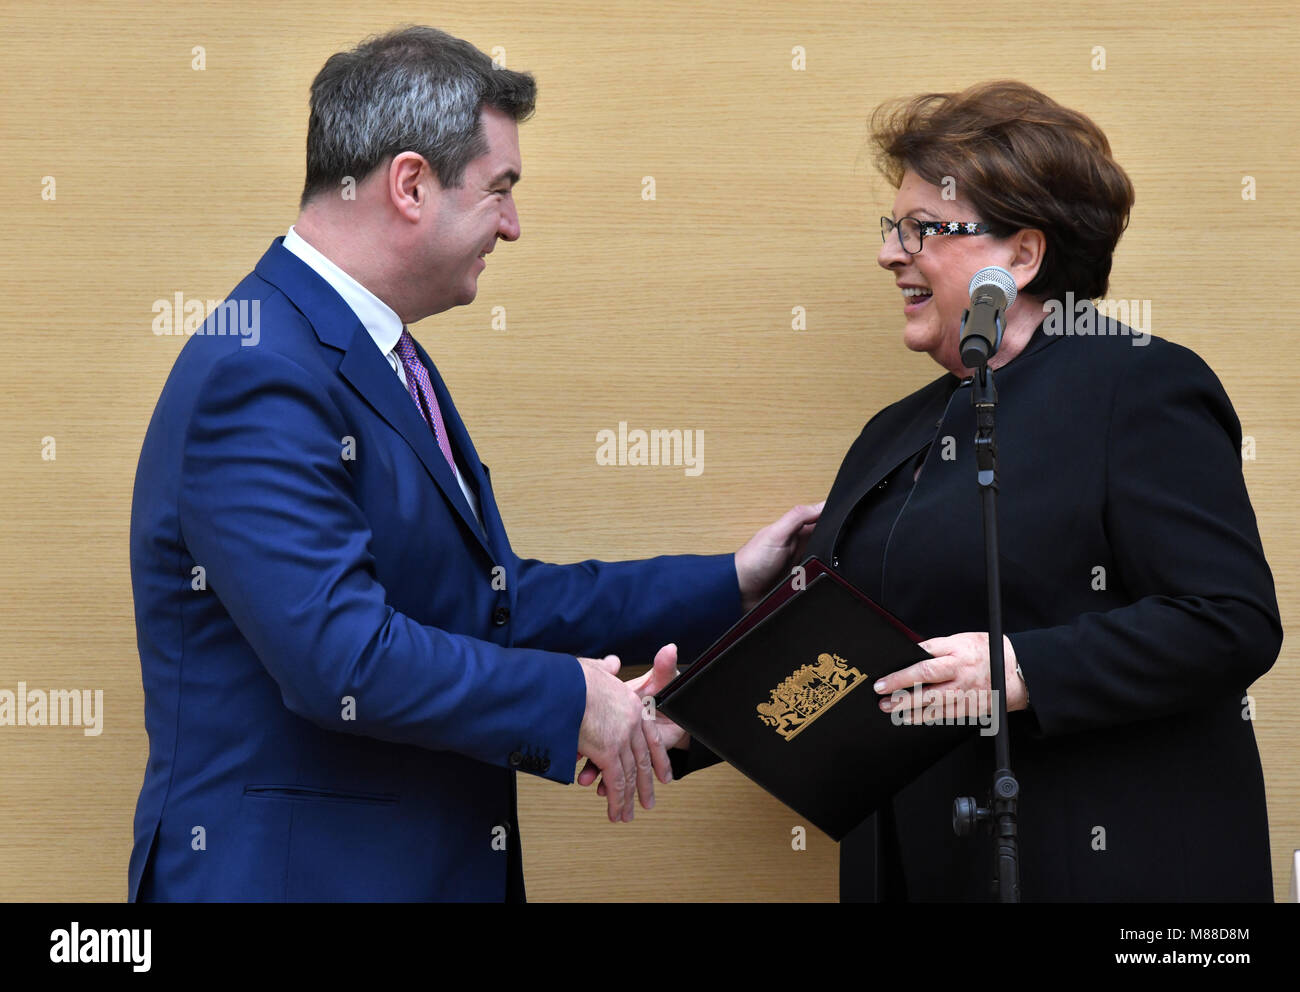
(378, 318)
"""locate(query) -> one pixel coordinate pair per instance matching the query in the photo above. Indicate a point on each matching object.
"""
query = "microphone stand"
(1001, 812)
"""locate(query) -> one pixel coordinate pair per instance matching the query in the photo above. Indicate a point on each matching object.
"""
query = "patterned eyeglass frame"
(929, 228)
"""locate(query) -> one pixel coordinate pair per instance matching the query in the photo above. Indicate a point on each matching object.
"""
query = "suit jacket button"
(501, 616)
(835, 561)
(516, 759)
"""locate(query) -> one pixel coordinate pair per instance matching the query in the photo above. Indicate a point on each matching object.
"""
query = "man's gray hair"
(416, 89)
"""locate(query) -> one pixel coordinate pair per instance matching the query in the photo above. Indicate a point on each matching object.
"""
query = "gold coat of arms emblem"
(808, 693)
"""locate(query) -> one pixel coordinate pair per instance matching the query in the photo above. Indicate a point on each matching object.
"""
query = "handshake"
(623, 739)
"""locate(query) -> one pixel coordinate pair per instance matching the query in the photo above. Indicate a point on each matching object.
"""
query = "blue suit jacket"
(342, 669)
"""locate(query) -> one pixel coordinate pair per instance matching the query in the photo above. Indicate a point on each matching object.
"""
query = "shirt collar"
(378, 318)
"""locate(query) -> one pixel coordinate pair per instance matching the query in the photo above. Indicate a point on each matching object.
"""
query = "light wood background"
(671, 313)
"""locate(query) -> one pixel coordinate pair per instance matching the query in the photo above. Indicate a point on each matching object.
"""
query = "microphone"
(992, 291)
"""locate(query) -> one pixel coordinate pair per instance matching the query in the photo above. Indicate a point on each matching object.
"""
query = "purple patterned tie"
(421, 390)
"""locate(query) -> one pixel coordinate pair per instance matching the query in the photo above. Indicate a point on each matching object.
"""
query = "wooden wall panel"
(671, 313)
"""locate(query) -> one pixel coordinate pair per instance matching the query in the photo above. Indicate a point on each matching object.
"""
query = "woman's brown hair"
(1022, 161)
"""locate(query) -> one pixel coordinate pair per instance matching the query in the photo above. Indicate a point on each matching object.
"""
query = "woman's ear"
(1028, 248)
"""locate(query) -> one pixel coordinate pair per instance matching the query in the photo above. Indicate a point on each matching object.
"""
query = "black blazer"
(1138, 766)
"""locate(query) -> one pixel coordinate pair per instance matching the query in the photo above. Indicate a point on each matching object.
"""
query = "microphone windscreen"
(994, 275)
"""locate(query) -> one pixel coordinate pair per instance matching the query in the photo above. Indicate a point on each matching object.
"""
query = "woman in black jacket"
(1137, 602)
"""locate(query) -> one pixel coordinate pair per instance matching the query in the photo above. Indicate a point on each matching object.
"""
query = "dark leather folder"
(786, 697)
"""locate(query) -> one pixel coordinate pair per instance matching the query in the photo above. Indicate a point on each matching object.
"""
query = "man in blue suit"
(344, 662)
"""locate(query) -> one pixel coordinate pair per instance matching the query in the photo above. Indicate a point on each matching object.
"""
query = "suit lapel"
(369, 373)
(458, 435)
(371, 376)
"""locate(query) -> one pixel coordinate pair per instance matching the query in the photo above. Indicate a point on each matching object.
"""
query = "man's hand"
(768, 555)
(657, 728)
(612, 738)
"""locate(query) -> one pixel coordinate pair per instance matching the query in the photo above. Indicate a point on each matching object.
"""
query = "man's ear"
(1029, 248)
(410, 181)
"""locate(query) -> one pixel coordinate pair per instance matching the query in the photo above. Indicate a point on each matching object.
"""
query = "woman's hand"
(960, 664)
(768, 555)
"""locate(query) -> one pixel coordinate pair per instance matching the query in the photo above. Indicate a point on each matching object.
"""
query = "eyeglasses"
(912, 232)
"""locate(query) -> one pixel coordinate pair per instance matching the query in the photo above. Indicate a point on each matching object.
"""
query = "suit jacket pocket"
(302, 793)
